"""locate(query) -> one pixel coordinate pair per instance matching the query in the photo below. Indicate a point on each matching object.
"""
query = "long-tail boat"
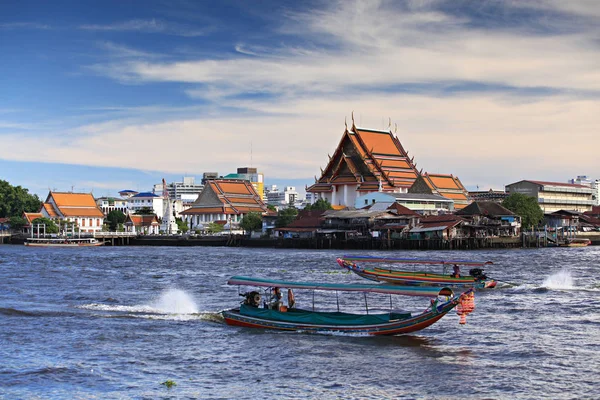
(476, 278)
(253, 312)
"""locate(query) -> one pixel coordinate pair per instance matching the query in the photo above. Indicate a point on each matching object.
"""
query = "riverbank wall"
(524, 241)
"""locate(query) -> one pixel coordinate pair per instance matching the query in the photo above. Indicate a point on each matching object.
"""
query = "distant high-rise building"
(207, 176)
(275, 197)
(250, 174)
(187, 191)
(594, 184)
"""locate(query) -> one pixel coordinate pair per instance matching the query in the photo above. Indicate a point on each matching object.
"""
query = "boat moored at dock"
(63, 242)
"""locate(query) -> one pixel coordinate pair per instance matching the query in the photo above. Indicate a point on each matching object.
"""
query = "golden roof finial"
(346, 122)
(396, 129)
(390, 124)
(353, 118)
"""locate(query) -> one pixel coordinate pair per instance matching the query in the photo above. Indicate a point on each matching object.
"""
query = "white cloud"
(353, 53)
(481, 138)
(24, 25)
(377, 45)
(146, 26)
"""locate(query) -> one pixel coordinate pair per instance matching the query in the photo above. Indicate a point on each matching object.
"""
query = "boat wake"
(561, 280)
(173, 304)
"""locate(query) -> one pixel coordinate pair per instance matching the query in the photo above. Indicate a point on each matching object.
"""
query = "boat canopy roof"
(427, 291)
(415, 261)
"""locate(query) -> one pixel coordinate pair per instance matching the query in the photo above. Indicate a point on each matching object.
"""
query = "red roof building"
(145, 224)
(365, 161)
(224, 200)
(448, 186)
(80, 208)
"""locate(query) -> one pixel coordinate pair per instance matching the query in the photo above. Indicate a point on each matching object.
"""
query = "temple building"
(224, 200)
(448, 186)
(79, 208)
(365, 161)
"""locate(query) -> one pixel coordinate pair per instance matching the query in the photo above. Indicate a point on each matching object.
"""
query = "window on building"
(366, 202)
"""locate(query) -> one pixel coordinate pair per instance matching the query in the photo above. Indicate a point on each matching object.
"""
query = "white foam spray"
(175, 301)
(559, 280)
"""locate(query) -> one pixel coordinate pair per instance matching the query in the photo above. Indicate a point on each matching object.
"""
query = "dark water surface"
(116, 322)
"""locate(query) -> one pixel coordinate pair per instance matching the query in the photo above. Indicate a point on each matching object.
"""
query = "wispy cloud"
(522, 92)
(377, 44)
(24, 25)
(460, 135)
(121, 51)
(147, 26)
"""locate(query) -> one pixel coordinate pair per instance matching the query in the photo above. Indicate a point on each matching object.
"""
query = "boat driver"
(455, 271)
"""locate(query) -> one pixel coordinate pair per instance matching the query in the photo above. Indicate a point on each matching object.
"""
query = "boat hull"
(410, 278)
(62, 244)
(394, 327)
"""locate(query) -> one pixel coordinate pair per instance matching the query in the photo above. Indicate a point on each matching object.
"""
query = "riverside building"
(224, 201)
(78, 208)
(555, 196)
(365, 161)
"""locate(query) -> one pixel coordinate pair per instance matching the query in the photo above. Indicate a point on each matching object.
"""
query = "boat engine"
(252, 299)
(478, 274)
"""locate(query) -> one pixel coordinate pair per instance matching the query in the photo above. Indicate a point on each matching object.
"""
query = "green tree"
(182, 225)
(213, 227)
(271, 207)
(525, 206)
(114, 218)
(144, 211)
(251, 222)
(51, 227)
(285, 217)
(319, 205)
(17, 223)
(14, 200)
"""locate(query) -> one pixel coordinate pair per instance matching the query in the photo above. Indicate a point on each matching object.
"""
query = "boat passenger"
(291, 299)
(275, 302)
(455, 271)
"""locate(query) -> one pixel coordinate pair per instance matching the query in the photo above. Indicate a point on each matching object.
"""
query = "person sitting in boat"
(455, 271)
(276, 297)
(291, 299)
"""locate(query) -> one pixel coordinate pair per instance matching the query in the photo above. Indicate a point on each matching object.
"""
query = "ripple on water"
(136, 323)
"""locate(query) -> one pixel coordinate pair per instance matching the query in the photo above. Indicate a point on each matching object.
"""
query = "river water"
(117, 322)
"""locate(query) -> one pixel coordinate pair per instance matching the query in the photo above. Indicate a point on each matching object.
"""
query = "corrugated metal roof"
(430, 229)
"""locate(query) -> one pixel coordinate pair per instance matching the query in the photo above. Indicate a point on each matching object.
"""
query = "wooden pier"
(5, 237)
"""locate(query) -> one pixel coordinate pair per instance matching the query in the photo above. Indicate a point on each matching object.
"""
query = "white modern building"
(186, 192)
(427, 204)
(108, 204)
(282, 198)
(593, 184)
(555, 196)
(148, 200)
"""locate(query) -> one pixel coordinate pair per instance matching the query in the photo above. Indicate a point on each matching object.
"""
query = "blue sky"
(106, 96)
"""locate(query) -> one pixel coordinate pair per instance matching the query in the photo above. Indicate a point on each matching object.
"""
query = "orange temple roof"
(371, 156)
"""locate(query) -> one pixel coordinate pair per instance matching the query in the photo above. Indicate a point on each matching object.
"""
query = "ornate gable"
(448, 186)
(227, 196)
(208, 198)
(371, 158)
